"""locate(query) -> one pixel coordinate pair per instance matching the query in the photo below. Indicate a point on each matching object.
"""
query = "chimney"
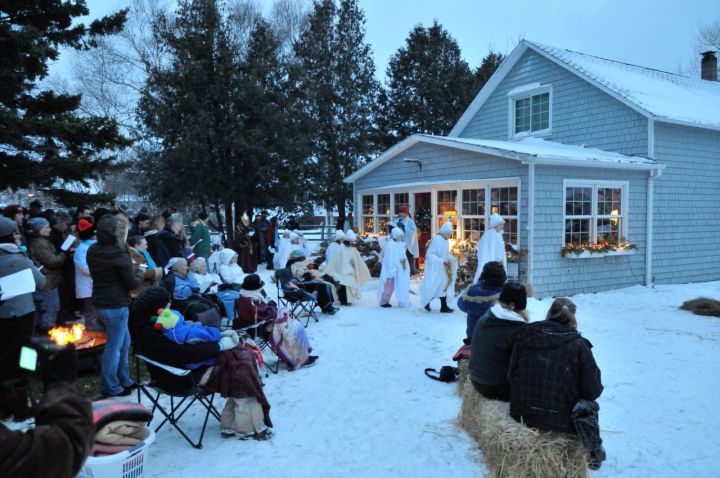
(708, 66)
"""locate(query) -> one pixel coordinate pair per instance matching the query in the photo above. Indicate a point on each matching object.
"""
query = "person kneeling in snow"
(395, 272)
(234, 374)
(554, 380)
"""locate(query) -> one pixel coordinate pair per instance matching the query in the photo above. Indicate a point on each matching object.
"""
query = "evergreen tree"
(482, 73)
(190, 128)
(339, 96)
(429, 86)
(44, 142)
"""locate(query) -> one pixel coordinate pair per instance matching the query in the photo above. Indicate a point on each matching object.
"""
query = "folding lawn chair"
(183, 393)
(246, 320)
(300, 302)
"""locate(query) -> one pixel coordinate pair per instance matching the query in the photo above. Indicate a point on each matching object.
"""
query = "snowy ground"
(367, 410)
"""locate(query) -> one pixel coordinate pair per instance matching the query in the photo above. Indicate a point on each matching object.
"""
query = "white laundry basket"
(127, 464)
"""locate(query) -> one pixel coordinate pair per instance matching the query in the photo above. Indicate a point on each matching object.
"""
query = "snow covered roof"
(660, 95)
(528, 150)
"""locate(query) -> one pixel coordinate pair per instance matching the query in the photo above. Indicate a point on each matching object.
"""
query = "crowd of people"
(164, 286)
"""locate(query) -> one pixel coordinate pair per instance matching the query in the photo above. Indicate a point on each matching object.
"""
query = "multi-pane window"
(384, 212)
(532, 113)
(368, 211)
(504, 201)
(401, 199)
(447, 208)
(593, 213)
(473, 213)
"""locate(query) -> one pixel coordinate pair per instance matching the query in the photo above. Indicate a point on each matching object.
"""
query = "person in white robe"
(294, 244)
(406, 223)
(440, 270)
(334, 245)
(283, 241)
(228, 269)
(348, 268)
(491, 247)
(395, 272)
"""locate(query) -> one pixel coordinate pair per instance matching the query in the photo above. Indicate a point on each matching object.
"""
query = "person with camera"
(17, 316)
(64, 429)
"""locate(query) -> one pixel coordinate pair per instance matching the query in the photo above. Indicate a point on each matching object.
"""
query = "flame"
(65, 335)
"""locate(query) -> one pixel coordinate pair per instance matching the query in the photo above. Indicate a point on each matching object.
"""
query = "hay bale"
(702, 306)
(464, 367)
(513, 450)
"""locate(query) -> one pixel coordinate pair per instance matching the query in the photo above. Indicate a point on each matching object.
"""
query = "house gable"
(581, 113)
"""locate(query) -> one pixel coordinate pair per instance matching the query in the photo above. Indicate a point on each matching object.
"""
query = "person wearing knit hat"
(491, 247)
(479, 297)
(348, 268)
(440, 270)
(407, 225)
(44, 254)
(83, 280)
(395, 271)
(17, 315)
(493, 339)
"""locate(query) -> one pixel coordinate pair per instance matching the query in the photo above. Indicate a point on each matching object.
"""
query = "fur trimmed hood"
(113, 230)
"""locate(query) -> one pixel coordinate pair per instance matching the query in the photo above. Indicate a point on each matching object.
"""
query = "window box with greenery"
(595, 219)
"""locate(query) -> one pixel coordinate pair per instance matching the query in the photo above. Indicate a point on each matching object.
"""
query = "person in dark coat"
(477, 299)
(493, 342)
(64, 430)
(50, 261)
(292, 224)
(235, 376)
(551, 369)
(244, 245)
(114, 277)
(170, 237)
(17, 316)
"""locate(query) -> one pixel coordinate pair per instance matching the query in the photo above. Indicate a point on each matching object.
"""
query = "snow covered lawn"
(367, 410)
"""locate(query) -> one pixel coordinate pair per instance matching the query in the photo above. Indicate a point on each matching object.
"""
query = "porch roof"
(527, 150)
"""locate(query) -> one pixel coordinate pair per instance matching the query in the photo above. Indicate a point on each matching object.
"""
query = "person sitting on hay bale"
(554, 379)
(477, 299)
(493, 342)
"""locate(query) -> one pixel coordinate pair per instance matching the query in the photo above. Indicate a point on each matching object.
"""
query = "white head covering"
(294, 236)
(339, 235)
(397, 233)
(446, 228)
(226, 256)
(286, 233)
(350, 236)
(496, 219)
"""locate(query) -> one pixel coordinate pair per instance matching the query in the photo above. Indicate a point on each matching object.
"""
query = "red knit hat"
(84, 225)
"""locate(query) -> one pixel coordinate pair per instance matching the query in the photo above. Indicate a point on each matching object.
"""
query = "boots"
(444, 307)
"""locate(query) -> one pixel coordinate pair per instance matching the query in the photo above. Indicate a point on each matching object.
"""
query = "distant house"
(579, 154)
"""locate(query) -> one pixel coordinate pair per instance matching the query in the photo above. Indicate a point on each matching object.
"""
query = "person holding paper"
(17, 316)
(44, 254)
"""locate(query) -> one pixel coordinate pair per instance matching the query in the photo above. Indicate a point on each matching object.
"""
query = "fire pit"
(89, 344)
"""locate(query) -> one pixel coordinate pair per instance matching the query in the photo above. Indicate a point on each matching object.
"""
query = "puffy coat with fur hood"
(111, 268)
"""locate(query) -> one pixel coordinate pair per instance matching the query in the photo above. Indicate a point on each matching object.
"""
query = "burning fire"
(66, 335)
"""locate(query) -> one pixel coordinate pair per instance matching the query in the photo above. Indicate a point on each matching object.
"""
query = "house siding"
(555, 275)
(687, 217)
(581, 113)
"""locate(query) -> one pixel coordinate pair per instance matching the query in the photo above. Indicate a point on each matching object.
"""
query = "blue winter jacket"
(190, 333)
(475, 301)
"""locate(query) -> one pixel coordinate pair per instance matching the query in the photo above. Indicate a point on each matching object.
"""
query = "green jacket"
(200, 232)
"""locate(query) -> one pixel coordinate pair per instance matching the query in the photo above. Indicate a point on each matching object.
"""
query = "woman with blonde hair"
(554, 379)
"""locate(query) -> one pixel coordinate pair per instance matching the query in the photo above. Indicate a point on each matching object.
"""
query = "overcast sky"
(654, 33)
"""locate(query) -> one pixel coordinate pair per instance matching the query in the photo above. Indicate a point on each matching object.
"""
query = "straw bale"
(511, 449)
(464, 367)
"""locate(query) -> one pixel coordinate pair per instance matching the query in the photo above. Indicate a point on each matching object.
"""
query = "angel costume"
(348, 268)
(395, 272)
(440, 270)
(491, 247)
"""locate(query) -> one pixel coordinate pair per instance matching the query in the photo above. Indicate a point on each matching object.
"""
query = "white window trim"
(433, 190)
(528, 91)
(624, 202)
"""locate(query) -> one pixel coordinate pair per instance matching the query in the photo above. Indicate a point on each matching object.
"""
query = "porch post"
(531, 219)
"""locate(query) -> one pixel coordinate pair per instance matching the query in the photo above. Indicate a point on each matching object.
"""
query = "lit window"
(594, 213)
